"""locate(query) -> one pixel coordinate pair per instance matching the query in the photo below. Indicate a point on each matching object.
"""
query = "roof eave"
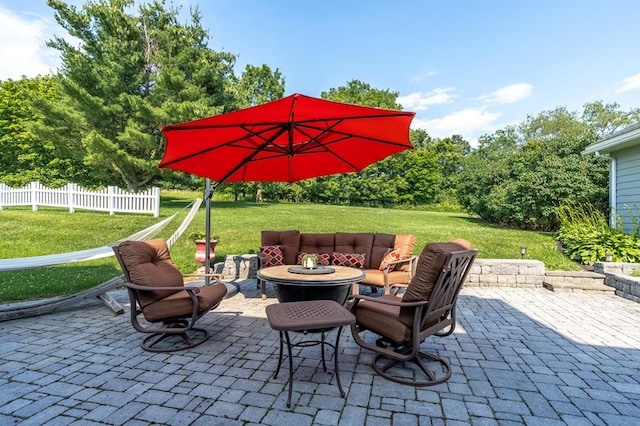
(615, 143)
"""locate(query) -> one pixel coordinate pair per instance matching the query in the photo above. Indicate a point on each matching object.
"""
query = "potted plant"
(198, 237)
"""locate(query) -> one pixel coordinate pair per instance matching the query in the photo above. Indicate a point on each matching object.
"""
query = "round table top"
(281, 274)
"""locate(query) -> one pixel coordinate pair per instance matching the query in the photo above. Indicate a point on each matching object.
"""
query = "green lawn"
(49, 231)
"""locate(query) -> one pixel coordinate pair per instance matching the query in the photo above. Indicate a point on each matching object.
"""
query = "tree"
(259, 85)
(24, 156)
(519, 176)
(483, 171)
(606, 119)
(359, 93)
(128, 76)
(449, 154)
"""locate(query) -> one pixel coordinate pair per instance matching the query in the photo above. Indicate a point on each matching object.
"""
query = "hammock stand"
(40, 307)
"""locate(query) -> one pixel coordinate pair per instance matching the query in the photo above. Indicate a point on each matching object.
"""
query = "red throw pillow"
(272, 255)
(391, 256)
(353, 260)
(324, 259)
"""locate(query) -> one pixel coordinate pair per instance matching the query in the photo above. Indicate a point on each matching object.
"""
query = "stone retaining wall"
(617, 276)
(506, 273)
(484, 272)
(238, 266)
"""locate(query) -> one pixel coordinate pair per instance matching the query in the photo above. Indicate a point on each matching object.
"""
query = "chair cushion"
(382, 319)
(289, 242)
(375, 277)
(353, 260)
(428, 268)
(180, 305)
(272, 256)
(148, 263)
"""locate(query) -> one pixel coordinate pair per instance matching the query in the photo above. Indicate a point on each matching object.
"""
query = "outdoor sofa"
(386, 259)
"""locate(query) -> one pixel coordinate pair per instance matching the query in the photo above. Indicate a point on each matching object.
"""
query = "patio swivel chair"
(157, 292)
(427, 308)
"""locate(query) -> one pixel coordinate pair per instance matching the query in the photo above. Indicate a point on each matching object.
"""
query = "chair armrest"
(409, 260)
(204, 275)
(395, 288)
(175, 288)
(390, 302)
(261, 259)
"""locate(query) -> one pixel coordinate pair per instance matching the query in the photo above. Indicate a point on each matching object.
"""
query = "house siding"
(628, 186)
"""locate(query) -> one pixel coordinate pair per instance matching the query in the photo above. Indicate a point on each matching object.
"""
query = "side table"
(314, 315)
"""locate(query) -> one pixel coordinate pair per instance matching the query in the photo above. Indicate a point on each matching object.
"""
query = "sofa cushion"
(405, 243)
(353, 242)
(324, 259)
(272, 256)
(428, 268)
(353, 260)
(375, 277)
(289, 242)
(317, 243)
(382, 243)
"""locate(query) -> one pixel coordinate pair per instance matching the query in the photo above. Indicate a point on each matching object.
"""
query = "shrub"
(587, 238)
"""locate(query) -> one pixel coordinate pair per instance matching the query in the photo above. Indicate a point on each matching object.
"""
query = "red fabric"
(353, 260)
(391, 256)
(290, 139)
(272, 256)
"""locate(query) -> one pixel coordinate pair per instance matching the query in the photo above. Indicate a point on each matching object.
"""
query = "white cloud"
(419, 101)
(630, 83)
(470, 123)
(23, 45)
(508, 94)
(423, 76)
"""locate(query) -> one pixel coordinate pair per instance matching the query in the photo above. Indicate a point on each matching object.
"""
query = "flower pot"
(201, 248)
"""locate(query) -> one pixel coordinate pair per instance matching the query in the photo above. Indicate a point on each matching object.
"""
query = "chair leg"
(439, 372)
(286, 335)
(181, 341)
(263, 289)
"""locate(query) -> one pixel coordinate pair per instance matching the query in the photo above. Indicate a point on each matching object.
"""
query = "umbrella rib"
(348, 135)
(229, 143)
(253, 154)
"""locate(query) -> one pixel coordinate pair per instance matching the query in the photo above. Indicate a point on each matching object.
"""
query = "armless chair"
(427, 308)
(157, 292)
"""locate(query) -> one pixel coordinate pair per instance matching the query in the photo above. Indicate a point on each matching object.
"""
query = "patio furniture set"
(391, 325)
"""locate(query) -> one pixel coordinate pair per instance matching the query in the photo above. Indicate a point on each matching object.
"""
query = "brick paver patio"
(520, 356)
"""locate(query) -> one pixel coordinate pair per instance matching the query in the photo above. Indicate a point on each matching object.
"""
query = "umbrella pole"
(208, 193)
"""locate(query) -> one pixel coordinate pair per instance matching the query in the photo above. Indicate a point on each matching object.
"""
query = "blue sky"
(465, 67)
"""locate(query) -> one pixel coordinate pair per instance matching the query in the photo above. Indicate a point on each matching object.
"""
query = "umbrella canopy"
(287, 140)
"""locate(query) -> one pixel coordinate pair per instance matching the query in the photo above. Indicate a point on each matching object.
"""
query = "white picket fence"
(111, 199)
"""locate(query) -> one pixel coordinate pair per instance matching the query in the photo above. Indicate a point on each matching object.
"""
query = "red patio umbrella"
(287, 140)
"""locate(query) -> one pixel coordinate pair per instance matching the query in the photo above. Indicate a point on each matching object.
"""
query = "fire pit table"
(293, 283)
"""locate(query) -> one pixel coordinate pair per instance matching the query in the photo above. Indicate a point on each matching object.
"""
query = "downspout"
(613, 191)
(613, 186)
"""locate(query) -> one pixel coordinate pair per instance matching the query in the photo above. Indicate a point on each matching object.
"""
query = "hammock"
(20, 263)
(39, 307)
